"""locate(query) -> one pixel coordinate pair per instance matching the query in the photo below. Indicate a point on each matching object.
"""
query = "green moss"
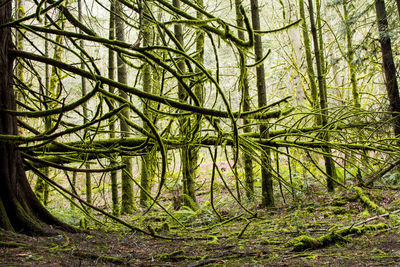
(370, 204)
(306, 242)
(310, 209)
(339, 210)
(303, 242)
(338, 202)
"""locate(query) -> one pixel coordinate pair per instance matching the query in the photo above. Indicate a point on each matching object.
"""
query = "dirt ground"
(239, 240)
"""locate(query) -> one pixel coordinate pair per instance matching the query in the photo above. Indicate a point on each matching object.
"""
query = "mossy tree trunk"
(323, 99)
(244, 87)
(389, 67)
(309, 61)
(112, 128)
(147, 171)
(188, 177)
(267, 193)
(20, 210)
(350, 55)
(127, 201)
(88, 177)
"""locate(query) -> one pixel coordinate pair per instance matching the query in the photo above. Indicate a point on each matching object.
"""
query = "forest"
(199, 133)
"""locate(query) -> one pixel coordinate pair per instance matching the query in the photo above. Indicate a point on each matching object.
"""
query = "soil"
(241, 241)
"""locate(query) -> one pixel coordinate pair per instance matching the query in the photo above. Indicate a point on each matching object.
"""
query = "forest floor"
(239, 241)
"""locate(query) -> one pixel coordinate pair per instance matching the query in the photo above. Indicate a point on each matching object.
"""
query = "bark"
(398, 6)
(112, 128)
(267, 198)
(309, 61)
(244, 87)
(88, 177)
(350, 56)
(20, 210)
(323, 100)
(147, 171)
(188, 177)
(389, 68)
(127, 205)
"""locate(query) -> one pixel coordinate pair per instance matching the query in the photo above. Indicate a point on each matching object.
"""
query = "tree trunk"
(323, 99)
(392, 87)
(309, 61)
(267, 198)
(111, 76)
(148, 167)
(350, 56)
(398, 6)
(244, 87)
(188, 180)
(88, 177)
(20, 210)
(128, 204)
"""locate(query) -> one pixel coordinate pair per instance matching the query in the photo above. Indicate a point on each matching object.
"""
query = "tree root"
(306, 242)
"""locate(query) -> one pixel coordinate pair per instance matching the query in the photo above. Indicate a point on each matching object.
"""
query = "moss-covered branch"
(307, 242)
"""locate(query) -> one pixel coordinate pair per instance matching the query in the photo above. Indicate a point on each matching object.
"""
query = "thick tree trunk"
(20, 210)
(266, 175)
(388, 65)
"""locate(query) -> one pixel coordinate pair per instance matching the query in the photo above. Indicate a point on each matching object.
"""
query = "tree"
(128, 204)
(267, 198)
(111, 89)
(20, 210)
(244, 88)
(389, 67)
(323, 99)
(148, 166)
(188, 176)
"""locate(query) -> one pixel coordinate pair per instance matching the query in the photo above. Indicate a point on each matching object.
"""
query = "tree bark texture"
(127, 200)
(20, 210)
(188, 177)
(389, 67)
(244, 87)
(267, 198)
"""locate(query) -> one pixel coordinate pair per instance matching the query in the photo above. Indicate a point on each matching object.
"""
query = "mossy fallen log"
(369, 203)
(307, 242)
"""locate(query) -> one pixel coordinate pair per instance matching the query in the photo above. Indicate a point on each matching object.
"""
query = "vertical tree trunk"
(392, 87)
(350, 56)
(111, 76)
(88, 177)
(20, 210)
(128, 204)
(147, 170)
(188, 182)
(244, 88)
(309, 61)
(323, 100)
(266, 175)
